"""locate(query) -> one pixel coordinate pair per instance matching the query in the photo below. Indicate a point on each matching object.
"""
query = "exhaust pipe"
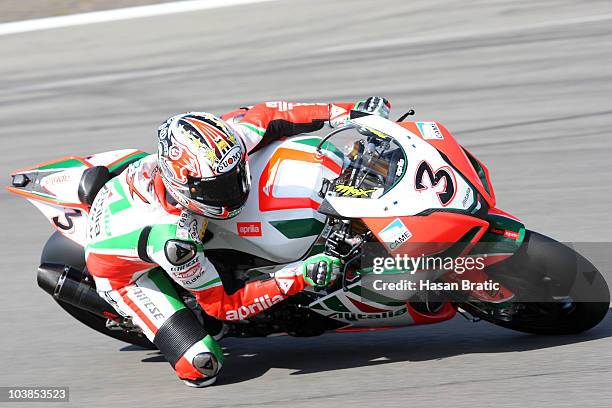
(68, 285)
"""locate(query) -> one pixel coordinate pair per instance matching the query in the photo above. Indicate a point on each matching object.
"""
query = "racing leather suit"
(138, 239)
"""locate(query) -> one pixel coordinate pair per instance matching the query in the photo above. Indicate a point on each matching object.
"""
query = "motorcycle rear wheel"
(99, 324)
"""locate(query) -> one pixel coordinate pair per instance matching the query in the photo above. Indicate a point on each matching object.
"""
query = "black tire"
(99, 324)
(558, 290)
(61, 251)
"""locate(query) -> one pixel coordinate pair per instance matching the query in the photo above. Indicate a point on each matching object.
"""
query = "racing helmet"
(203, 164)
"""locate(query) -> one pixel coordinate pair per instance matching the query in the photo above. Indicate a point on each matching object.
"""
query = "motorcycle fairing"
(52, 187)
(412, 210)
(497, 236)
(439, 137)
(359, 307)
(280, 221)
(503, 237)
(433, 233)
(52, 182)
(405, 198)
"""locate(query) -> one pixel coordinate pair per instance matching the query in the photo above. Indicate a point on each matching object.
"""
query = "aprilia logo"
(260, 304)
(249, 229)
(506, 233)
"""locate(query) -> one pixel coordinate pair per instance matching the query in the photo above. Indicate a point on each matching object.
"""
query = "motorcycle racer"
(146, 228)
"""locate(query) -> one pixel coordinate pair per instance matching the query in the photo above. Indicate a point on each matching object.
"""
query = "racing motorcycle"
(404, 187)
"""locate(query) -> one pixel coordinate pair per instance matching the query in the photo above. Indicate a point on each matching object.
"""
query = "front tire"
(558, 291)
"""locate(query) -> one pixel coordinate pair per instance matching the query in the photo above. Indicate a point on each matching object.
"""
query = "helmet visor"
(228, 190)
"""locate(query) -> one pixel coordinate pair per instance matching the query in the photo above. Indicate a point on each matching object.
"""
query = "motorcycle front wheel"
(558, 291)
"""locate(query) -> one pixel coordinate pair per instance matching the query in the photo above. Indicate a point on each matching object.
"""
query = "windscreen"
(375, 163)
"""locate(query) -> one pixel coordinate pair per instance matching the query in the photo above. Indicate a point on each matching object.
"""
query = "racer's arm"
(185, 262)
(266, 122)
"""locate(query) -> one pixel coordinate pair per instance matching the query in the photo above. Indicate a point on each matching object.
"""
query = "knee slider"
(207, 364)
(181, 331)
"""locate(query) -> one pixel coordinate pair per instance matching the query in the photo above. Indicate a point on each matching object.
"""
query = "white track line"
(118, 14)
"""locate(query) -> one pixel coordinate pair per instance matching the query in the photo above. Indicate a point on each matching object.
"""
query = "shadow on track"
(252, 357)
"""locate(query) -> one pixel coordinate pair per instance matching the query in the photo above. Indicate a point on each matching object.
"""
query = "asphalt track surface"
(17, 10)
(526, 85)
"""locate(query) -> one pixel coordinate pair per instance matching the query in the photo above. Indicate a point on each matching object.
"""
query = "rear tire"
(99, 324)
(60, 250)
(558, 290)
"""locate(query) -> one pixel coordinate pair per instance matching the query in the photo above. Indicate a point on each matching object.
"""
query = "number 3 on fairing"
(69, 223)
(435, 178)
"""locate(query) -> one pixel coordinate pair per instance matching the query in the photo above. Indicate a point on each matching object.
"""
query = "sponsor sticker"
(249, 229)
(505, 233)
(400, 167)
(189, 280)
(466, 197)
(230, 160)
(95, 220)
(193, 230)
(190, 228)
(511, 234)
(185, 266)
(182, 230)
(55, 179)
(394, 234)
(362, 316)
(350, 191)
(141, 299)
(430, 130)
(283, 106)
(259, 304)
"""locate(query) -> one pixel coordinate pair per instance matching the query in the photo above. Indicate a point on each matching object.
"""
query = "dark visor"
(225, 190)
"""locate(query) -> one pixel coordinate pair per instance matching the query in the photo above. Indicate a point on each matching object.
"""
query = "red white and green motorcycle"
(397, 188)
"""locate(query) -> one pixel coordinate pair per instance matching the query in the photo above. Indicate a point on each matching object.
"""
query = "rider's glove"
(374, 105)
(319, 270)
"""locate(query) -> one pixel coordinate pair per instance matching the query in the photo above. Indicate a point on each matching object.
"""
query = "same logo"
(394, 234)
(430, 130)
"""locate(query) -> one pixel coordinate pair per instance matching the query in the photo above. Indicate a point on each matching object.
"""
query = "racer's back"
(130, 213)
